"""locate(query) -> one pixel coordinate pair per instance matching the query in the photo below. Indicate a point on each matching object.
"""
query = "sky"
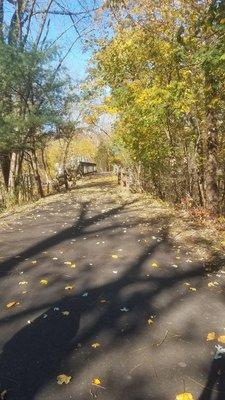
(77, 60)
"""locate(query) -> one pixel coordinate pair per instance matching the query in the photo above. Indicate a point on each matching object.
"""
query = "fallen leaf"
(66, 313)
(69, 287)
(211, 336)
(96, 381)
(34, 262)
(221, 339)
(12, 304)
(73, 266)
(150, 321)
(95, 345)
(23, 283)
(114, 256)
(63, 379)
(124, 309)
(3, 395)
(155, 265)
(193, 289)
(67, 263)
(43, 282)
(184, 396)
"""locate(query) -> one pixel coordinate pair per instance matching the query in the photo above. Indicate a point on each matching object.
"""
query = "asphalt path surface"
(93, 287)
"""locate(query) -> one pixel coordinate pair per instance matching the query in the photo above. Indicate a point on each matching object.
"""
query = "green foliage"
(31, 95)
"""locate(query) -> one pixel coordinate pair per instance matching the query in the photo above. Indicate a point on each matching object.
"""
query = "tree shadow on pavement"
(117, 309)
(33, 355)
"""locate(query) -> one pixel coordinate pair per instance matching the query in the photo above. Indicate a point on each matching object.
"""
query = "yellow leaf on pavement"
(155, 265)
(43, 281)
(211, 336)
(96, 381)
(67, 263)
(95, 345)
(63, 379)
(114, 256)
(184, 396)
(69, 287)
(221, 339)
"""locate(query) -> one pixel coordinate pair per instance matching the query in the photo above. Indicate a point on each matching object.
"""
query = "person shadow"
(215, 386)
(34, 354)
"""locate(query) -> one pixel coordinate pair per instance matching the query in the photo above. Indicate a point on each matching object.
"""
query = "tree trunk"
(46, 169)
(212, 192)
(211, 171)
(5, 167)
(13, 172)
(37, 175)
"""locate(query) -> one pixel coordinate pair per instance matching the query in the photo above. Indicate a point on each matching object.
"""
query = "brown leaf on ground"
(12, 304)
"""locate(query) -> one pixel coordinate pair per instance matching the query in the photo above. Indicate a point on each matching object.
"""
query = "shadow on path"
(215, 386)
(33, 355)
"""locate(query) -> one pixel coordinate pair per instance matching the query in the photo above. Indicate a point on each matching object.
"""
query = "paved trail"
(104, 293)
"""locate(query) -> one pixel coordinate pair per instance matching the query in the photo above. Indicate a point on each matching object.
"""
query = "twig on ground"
(133, 369)
(163, 340)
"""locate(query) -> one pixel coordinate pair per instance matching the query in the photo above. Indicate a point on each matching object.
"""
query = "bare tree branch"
(45, 16)
(31, 13)
(68, 13)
